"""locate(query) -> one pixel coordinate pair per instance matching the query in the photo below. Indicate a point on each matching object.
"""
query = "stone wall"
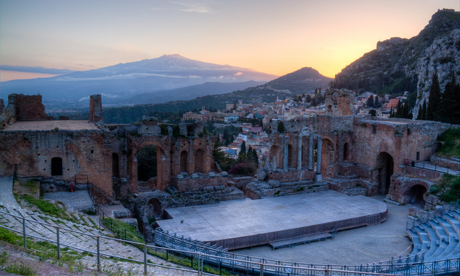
(339, 102)
(29, 108)
(95, 108)
(446, 163)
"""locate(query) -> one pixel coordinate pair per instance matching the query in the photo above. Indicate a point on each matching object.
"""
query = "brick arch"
(328, 150)
(405, 189)
(384, 167)
(163, 167)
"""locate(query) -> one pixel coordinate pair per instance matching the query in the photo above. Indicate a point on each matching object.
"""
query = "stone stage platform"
(246, 223)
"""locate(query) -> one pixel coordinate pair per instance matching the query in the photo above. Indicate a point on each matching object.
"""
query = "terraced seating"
(76, 236)
(437, 239)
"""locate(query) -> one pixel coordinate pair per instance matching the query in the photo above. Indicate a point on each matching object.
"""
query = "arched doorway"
(414, 195)
(147, 163)
(154, 208)
(384, 166)
(345, 152)
(56, 166)
(183, 161)
(327, 156)
(115, 166)
(199, 160)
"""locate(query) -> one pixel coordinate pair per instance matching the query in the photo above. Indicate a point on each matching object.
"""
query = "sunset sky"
(275, 37)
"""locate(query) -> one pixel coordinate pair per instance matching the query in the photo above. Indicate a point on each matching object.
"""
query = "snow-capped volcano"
(128, 79)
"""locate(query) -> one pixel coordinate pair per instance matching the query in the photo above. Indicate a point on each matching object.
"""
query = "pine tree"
(376, 102)
(433, 99)
(398, 110)
(392, 114)
(256, 158)
(449, 106)
(370, 101)
(242, 155)
(405, 112)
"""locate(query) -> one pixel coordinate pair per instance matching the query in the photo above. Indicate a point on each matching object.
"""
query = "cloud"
(40, 70)
(239, 74)
(119, 77)
(193, 7)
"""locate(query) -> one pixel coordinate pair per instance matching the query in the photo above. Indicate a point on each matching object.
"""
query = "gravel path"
(362, 245)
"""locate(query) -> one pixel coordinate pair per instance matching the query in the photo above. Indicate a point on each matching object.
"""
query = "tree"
(308, 98)
(433, 99)
(242, 154)
(372, 112)
(376, 102)
(281, 128)
(422, 111)
(449, 106)
(370, 101)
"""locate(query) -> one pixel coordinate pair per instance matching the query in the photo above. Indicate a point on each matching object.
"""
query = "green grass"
(43, 249)
(45, 206)
(447, 189)
(451, 146)
(120, 229)
(21, 268)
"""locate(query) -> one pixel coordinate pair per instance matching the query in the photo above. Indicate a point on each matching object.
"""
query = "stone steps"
(438, 239)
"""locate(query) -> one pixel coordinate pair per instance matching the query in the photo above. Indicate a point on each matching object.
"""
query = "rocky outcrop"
(441, 58)
(399, 65)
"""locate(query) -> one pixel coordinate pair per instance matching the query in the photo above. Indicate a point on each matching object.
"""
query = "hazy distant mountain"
(304, 80)
(128, 79)
(187, 93)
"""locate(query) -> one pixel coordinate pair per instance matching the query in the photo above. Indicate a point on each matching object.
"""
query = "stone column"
(319, 177)
(310, 153)
(299, 154)
(274, 162)
(286, 152)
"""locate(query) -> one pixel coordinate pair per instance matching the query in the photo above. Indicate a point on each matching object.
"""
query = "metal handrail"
(201, 257)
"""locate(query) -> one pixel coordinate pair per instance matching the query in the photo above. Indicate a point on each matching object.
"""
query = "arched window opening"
(56, 166)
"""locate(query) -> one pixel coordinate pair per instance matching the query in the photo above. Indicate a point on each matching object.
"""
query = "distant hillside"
(301, 81)
(397, 65)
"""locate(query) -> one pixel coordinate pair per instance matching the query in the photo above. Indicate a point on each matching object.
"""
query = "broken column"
(95, 108)
(319, 177)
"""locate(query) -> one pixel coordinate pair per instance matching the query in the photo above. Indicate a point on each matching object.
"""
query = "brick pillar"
(95, 108)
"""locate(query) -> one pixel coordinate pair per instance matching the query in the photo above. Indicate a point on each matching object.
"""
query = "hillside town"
(260, 115)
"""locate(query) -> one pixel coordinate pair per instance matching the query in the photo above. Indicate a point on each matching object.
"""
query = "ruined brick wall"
(83, 156)
(28, 108)
(95, 108)
(401, 141)
(193, 154)
(339, 102)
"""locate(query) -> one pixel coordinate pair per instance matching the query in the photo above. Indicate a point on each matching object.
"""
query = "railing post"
(145, 259)
(24, 231)
(58, 243)
(261, 269)
(98, 254)
(199, 265)
(326, 272)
